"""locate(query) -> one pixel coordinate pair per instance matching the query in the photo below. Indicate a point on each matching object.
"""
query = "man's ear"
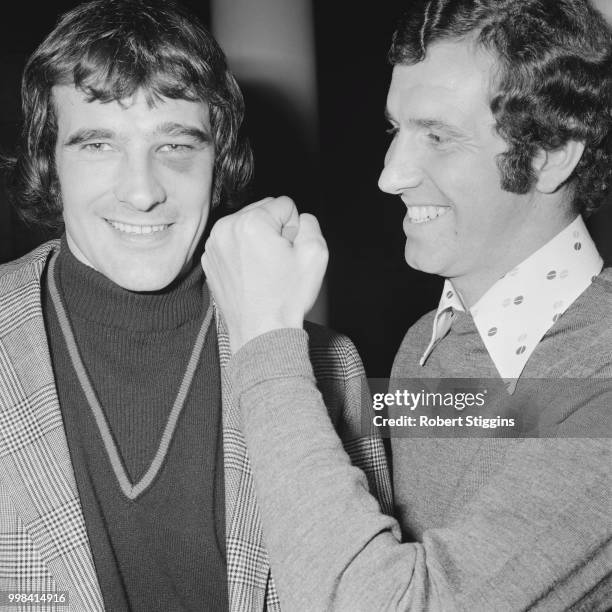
(553, 168)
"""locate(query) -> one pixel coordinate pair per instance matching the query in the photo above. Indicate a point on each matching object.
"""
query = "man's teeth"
(422, 214)
(138, 229)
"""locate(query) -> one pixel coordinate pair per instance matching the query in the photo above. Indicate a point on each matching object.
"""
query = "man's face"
(460, 224)
(135, 184)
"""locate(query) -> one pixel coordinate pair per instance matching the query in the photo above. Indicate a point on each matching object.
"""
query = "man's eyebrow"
(388, 116)
(165, 129)
(87, 134)
(437, 124)
(179, 129)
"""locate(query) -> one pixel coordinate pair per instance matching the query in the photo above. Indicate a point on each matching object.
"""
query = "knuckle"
(312, 222)
(315, 248)
(248, 223)
(221, 227)
(283, 199)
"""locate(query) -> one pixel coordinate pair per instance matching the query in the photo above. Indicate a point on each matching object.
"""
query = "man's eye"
(436, 139)
(97, 147)
(392, 130)
(176, 148)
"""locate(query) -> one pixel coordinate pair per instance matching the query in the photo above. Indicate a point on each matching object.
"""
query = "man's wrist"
(279, 353)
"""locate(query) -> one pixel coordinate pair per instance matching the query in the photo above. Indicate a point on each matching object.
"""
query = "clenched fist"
(264, 265)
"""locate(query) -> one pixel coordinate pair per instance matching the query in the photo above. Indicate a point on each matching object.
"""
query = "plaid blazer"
(43, 539)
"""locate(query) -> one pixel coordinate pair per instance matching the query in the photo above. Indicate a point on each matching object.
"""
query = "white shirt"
(517, 311)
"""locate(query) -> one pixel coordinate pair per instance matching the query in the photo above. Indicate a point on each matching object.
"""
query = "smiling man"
(500, 114)
(443, 162)
(135, 180)
(135, 184)
(124, 478)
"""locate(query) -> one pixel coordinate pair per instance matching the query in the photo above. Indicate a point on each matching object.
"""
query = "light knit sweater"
(490, 524)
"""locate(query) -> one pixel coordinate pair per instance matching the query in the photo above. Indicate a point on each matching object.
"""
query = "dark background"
(372, 295)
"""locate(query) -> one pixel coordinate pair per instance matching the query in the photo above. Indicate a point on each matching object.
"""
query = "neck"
(93, 297)
(471, 287)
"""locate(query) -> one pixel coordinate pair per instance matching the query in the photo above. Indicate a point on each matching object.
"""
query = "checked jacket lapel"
(250, 584)
(43, 541)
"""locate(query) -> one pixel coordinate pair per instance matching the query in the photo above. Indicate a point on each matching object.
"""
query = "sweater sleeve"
(332, 549)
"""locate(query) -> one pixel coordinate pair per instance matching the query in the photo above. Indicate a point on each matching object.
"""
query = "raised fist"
(265, 265)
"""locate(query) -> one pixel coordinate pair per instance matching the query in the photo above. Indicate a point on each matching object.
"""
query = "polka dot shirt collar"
(517, 311)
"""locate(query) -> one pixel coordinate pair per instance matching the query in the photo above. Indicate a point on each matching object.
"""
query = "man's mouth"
(128, 228)
(423, 214)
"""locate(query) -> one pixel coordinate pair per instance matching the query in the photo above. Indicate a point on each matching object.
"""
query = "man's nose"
(138, 183)
(402, 170)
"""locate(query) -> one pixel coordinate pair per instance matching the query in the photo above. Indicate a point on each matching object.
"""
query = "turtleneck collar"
(94, 297)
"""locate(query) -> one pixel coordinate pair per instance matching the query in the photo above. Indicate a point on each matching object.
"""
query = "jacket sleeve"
(331, 547)
(342, 381)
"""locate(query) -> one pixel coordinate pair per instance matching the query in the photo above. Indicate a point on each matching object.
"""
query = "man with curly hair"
(500, 114)
(124, 478)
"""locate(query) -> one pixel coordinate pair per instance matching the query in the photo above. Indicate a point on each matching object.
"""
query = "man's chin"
(145, 281)
(420, 262)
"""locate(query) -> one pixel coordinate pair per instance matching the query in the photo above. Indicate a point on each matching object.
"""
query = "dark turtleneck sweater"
(164, 550)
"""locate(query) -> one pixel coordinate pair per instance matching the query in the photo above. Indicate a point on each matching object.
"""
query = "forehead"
(453, 82)
(74, 111)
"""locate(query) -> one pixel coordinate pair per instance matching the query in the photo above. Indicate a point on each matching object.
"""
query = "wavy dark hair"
(554, 81)
(109, 49)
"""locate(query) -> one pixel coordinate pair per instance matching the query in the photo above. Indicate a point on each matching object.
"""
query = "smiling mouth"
(423, 214)
(128, 228)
